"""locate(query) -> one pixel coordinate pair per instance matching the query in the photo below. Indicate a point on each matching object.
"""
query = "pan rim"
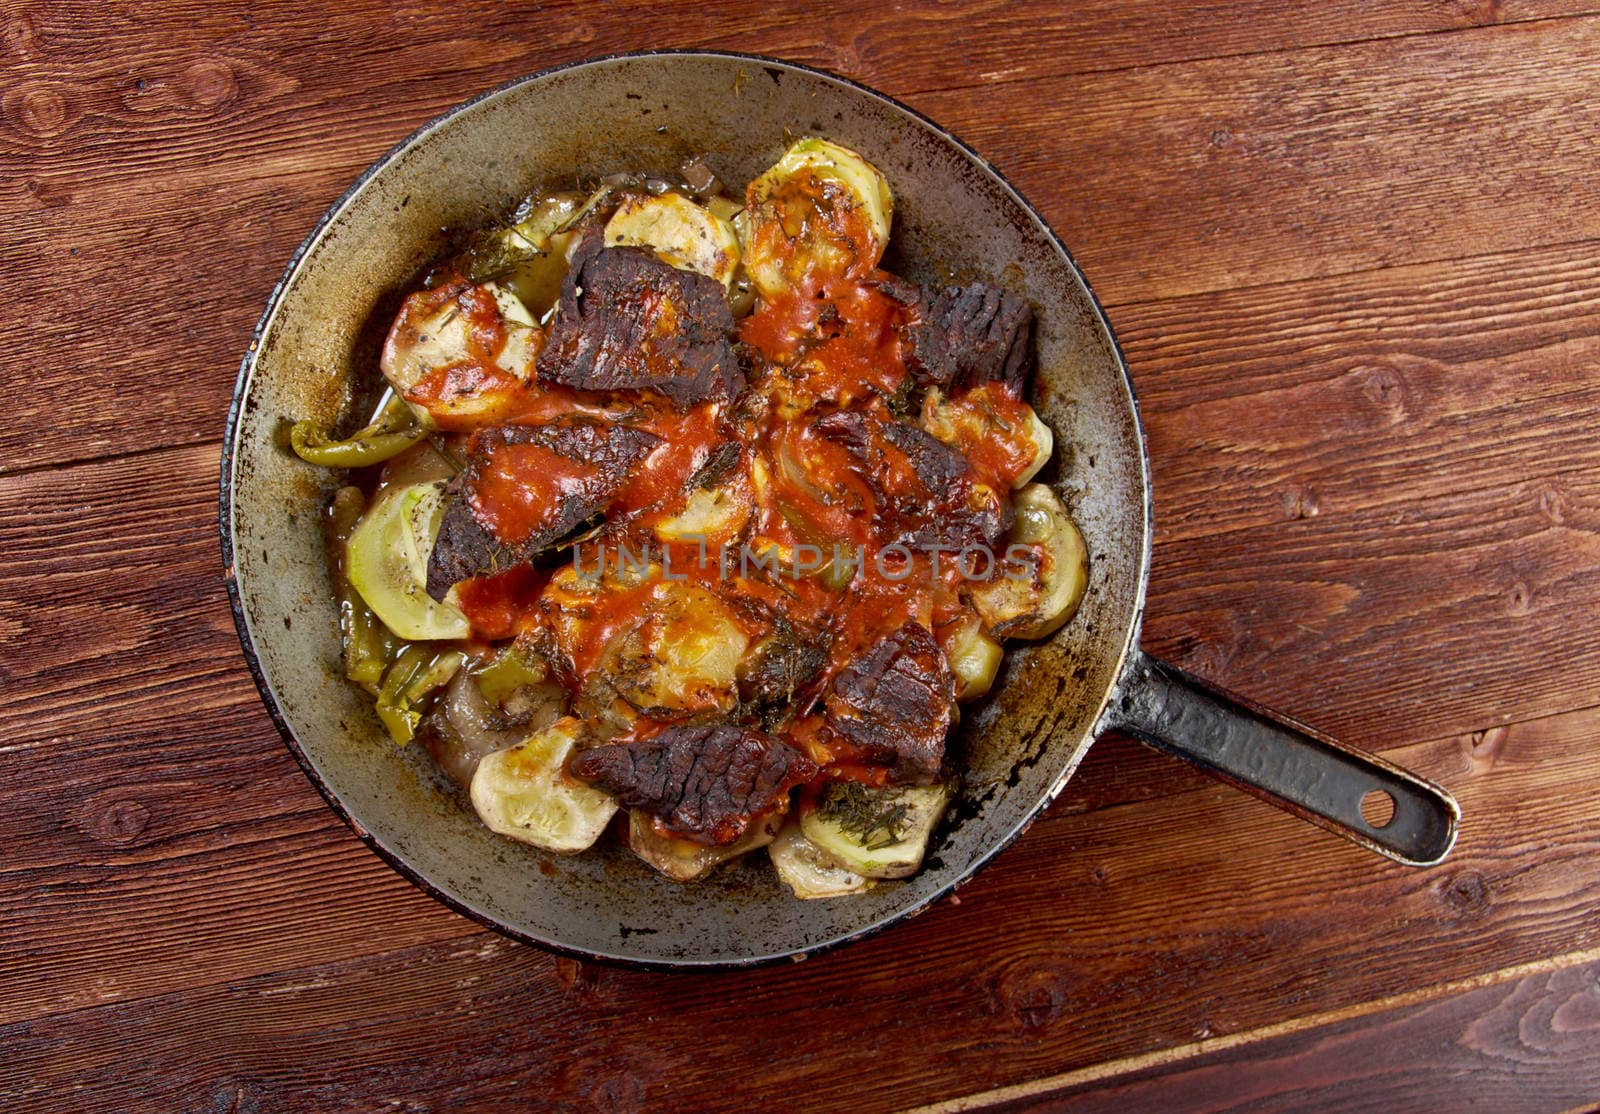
(458, 903)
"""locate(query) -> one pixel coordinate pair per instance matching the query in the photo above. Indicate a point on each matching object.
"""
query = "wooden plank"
(1097, 937)
(1180, 179)
(125, 548)
(1376, 509)
(238, 132)
(1366, 393)
(1525, 1044)
(1399, 610)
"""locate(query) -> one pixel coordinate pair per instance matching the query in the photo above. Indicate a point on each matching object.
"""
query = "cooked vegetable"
(421, 463)
(680, 232)
(387, 559)
(525, 793)
(529, 258)
(368, 645)
(683, 860)
(709, 523)
(876, 833)
(391, 433)
(809, 871)
(713, 514)
(416, 674)
(463, 727)
(974, 657)
(681, 656)
(1034, 598)
(433, 347)
(514, 670)
(822, 210)
(986, 420)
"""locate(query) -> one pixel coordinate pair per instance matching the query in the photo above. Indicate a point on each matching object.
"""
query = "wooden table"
(1353, 251)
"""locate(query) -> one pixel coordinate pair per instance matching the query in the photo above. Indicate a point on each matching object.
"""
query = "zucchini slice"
(386, 560)
(526, 794)
(683, 860)
(1036, 602)
(876, 833)
(821, 210)
(808, 871)
(973, 656)
(686, 235)
(986, 417)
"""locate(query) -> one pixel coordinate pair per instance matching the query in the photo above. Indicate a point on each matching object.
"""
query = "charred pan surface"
(628, 321)
(601, 457)
(703, 783)
(925, 485)
(894, 702)
(963, 336)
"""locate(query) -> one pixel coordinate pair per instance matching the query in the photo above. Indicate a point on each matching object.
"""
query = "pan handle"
(1283, 762)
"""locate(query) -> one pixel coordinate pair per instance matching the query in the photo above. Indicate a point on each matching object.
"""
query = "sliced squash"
(987, 423)
(821, 211)
(686, 235)
(525, 793)
(683, 860)
(807, 870)
(386, 559)
(1043, 576)
(876, 833)
(973, 656)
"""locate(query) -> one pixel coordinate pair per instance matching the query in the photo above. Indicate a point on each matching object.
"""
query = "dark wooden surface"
(1353, 252)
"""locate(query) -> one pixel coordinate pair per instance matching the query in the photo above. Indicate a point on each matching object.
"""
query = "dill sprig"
(877, 822)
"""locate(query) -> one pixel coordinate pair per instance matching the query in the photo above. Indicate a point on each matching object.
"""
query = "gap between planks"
(470, 930)
(1176, 1054)
(8, 472)
(1333, 44)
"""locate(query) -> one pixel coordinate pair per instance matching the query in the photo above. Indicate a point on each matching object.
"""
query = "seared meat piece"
(628, 321)
(704, 783)
(962, 336)
(526, 488)
(782, 665)
(895, 703)
(719, 466)
(925, 485)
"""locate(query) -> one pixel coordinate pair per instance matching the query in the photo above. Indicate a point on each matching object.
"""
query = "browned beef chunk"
(936, 505)
(631, 322)
(785, 663)
(600, 457)
(962, 336)
(895, 703)
(719, 466)
(703, 783)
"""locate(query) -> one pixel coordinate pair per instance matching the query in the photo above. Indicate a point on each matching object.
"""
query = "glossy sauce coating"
(812, 512)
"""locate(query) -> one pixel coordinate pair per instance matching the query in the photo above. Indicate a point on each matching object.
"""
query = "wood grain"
(1335, 591)
(1256, 168)
(1249, 922)
(1351, 251)
(1191, 177)
(1527, 1044)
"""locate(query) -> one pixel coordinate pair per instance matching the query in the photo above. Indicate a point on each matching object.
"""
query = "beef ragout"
(682, 516)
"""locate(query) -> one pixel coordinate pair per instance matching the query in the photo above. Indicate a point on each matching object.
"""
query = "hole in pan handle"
(1283, 762)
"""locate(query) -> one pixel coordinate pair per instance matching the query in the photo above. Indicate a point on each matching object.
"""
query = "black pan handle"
(1283, 762)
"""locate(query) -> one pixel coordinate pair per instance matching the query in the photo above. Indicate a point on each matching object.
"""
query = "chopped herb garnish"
(875, 820)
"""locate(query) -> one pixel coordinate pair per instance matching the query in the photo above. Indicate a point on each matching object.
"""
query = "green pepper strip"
(368, 645)
(416, 674)
(393, 431)
(509, 671)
